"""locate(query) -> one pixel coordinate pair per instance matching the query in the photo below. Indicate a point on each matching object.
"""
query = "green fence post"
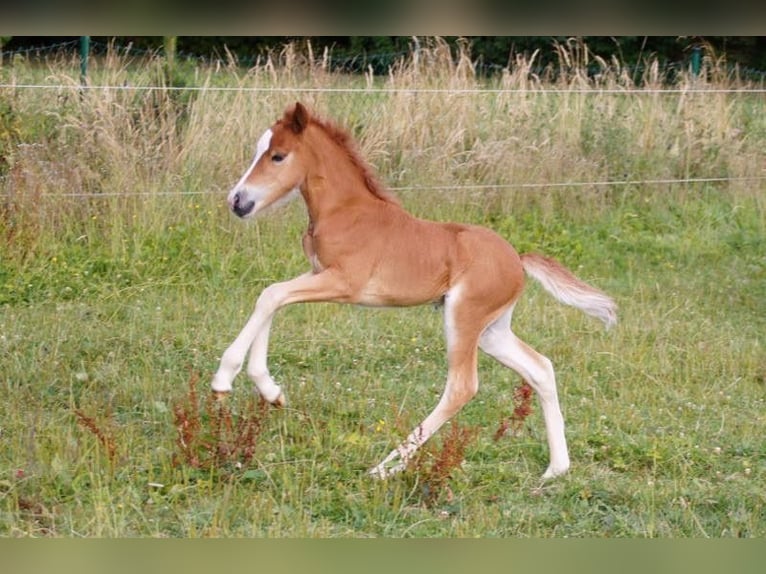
(169, 44)
(84, 49)
(696, 60)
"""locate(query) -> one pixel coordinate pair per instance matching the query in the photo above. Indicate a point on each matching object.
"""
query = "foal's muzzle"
(240, 204)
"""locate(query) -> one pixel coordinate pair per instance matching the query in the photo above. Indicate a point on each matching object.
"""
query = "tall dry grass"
(434, 120)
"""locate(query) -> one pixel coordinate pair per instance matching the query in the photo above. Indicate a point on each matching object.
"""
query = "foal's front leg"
(325, 286)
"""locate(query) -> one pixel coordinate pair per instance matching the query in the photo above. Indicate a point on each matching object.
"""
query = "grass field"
(114, 310)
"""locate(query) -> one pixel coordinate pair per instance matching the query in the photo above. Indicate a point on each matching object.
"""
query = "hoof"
(378, 473)
(220, 395)
(555, 472)
(382, 472)
(280, 401)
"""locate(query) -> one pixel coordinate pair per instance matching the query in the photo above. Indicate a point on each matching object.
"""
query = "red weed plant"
(436, 465)
(41, 520)
(522, 408)
(210, 435)
(104, 436)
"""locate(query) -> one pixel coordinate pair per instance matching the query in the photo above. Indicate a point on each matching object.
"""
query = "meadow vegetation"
(123, 278)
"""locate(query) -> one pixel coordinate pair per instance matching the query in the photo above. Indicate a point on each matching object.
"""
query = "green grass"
(109, 307)
(664, 414)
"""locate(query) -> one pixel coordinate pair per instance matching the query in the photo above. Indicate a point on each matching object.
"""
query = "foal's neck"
(335, 182)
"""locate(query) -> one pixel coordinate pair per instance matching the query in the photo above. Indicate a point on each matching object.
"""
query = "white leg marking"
(252, 336)
(255, 335)
(257, 368)
(462, 384)
(499, 341)
(234, 356)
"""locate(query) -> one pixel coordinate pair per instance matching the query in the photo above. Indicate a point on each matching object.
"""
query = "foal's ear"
(299, 119)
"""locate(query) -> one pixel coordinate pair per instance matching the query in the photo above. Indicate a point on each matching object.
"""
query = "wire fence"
(440, 188)
(367, 93)
(462, 186)
(701, 89)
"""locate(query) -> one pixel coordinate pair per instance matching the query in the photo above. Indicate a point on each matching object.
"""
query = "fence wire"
(701, 89)
(437, 188)
(484, 119)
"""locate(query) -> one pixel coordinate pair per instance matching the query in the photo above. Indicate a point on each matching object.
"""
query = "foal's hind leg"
(499, 341)
(462, 331)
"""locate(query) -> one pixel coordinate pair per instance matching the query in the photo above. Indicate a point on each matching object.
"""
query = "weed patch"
(522, 408)
(211, 437)
(104, 434)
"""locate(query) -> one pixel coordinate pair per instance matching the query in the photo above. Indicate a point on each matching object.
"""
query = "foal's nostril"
(240, 204)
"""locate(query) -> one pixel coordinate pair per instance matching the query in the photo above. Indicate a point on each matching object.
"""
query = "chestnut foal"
(365, 249)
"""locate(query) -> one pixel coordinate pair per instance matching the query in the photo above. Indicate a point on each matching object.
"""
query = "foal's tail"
(568, 289)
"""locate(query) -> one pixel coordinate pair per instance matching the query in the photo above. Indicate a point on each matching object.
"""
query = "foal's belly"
(423, 267)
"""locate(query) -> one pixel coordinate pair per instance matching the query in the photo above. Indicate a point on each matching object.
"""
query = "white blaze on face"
(263, 144)
(259, 195)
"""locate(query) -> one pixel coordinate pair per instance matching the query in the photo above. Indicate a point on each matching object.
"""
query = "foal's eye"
(277, 157)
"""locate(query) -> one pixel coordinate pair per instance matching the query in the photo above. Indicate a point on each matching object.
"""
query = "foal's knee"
(269, 299)
(491, 344)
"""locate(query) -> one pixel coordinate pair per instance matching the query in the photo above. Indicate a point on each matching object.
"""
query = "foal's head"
(277, 170)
